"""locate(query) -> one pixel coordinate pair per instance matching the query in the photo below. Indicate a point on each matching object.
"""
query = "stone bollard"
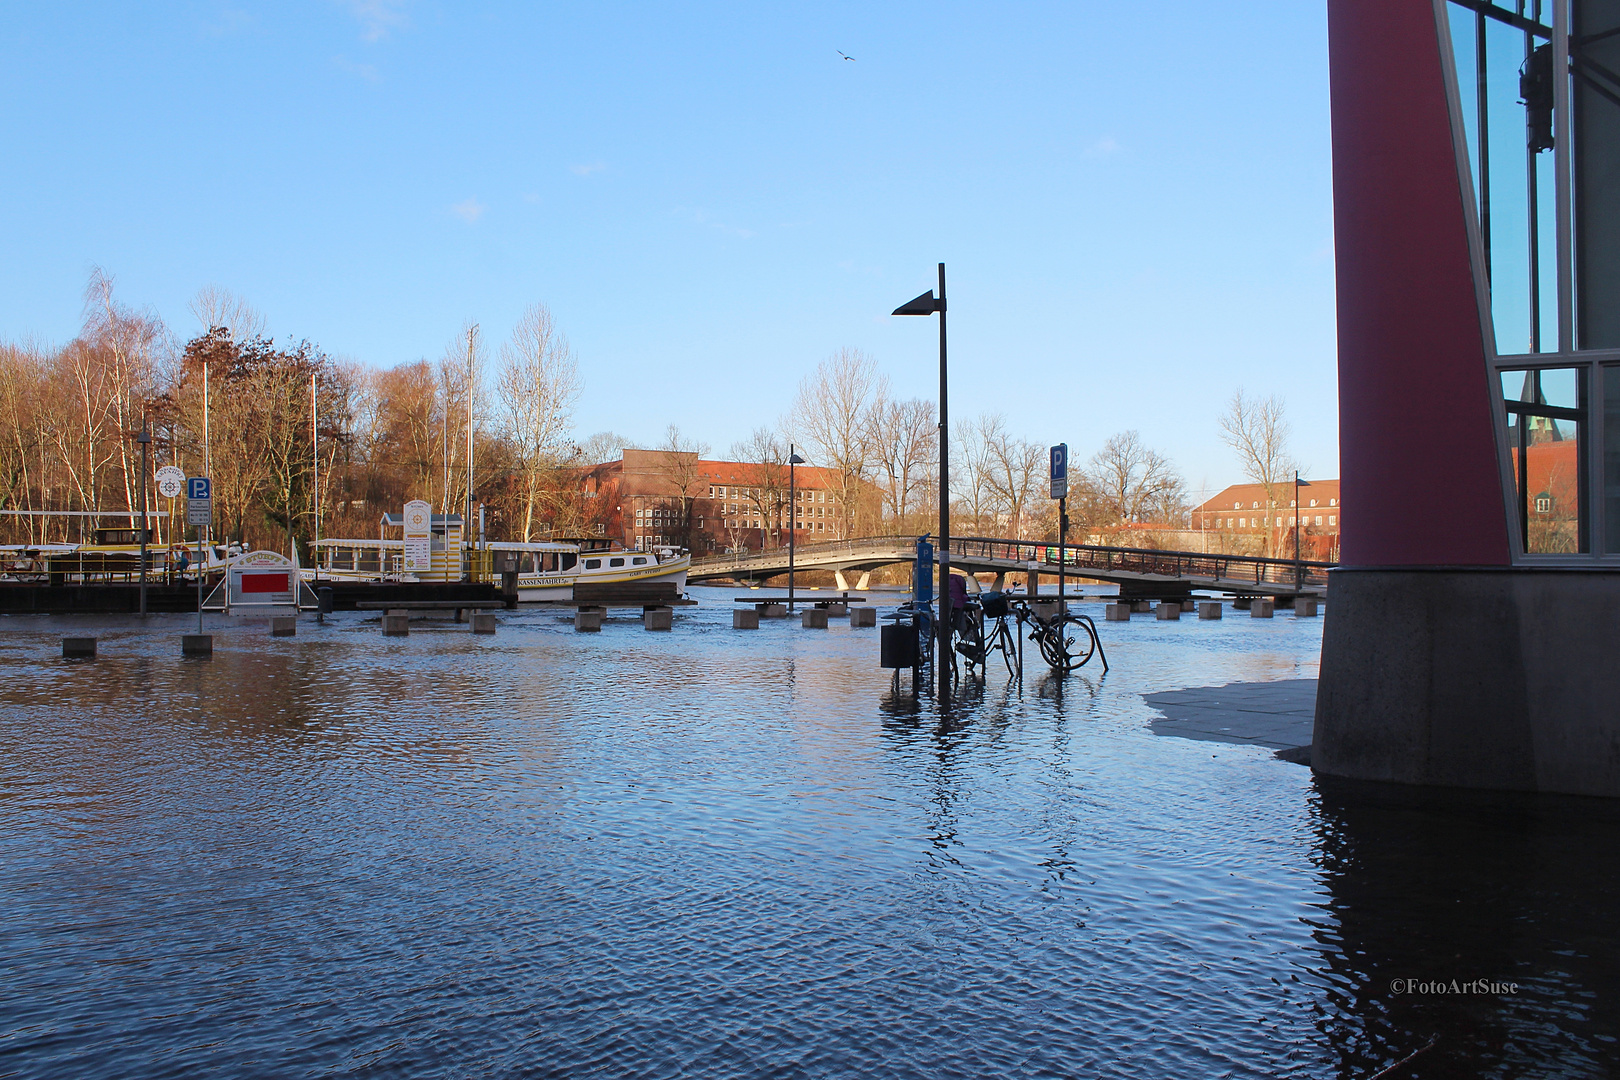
(483, 622)
(197, 645)
(1169, 610)
(772, 611)
(1045, 609)
(1241, 603)
(1209, 609)
(1117, 613)
(79, 648)
(862, 616)
(1189, 605)
(658, 618)
(744, 618)
(837, 611)
(396, 625)
(283, 626)
(1143, 606)
(588, 618)
(1261, 608)
(813, 618)
(1305, 607)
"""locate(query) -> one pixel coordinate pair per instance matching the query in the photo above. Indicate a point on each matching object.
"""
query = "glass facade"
(1537, 99)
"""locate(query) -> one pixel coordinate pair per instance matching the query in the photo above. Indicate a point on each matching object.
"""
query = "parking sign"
(1060, 471)
(199, 501)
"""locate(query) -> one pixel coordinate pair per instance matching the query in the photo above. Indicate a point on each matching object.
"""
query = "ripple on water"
(717, 853)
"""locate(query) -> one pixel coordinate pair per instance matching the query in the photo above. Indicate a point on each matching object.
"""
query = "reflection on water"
(722, 853)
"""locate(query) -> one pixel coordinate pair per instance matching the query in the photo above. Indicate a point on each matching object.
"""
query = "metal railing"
(1234, 569)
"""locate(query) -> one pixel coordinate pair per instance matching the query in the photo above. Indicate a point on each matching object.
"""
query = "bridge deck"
(1137, 569)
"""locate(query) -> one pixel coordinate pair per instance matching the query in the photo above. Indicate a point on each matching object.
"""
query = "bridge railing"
(1260, 570)
(1235, 568)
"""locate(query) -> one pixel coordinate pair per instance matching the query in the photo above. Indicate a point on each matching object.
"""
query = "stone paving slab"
(1276, 715)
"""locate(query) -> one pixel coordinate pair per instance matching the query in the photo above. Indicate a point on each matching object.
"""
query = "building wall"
(1242, 511)
(658, 497)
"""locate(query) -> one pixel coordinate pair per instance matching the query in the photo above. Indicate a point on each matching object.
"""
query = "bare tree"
(537, 387)
(1013, 469)
(1257, 429)
(830, 415)
(602, 447)
(679, 459)
(461, 389)
(217, 307)
(765, 455)
(1131, 480)
(904, 438)
(972, 495)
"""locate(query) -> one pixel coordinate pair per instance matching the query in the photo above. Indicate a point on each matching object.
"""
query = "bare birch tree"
(538, 384)
(1257, 430)
(765, 455)
(679, 459)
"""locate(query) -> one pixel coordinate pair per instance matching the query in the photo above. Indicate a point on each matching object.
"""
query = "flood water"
(738, 853)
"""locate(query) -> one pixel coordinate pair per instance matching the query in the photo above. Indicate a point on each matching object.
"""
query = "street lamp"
(1299, 570)
(927, 304)
(793, 512)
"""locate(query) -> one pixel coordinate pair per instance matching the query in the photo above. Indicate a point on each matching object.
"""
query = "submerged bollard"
(745, 619)
(1189, 605)
(283, 626)
(658, 618)
(483, 622)
(772, 611)
(863, 616)
(813, 618)
(396, 625)
(1305, 607)
(588, 618)
(197, 645)
(1117, 613)
(1261, 608)
(79, 648)
(1209, 609)
(1169, 611)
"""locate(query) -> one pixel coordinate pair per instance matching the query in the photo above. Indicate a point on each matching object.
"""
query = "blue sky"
(1133, 201)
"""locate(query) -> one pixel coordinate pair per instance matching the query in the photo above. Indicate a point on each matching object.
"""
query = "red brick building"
(1246, 510)
(657, 497)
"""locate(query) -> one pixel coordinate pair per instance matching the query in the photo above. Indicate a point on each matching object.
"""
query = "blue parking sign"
(1060, 471)
(198, 487)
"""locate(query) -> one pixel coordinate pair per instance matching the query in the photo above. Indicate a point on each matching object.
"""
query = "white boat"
(547, 570)
(550, 571)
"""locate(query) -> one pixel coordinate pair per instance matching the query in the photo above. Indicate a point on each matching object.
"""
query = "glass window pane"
(1558, 387)
(1611, 456)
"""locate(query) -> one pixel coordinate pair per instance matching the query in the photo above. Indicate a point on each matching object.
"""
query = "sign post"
(200, 512)
(171, 481)
(1060, 492)
(418, 519)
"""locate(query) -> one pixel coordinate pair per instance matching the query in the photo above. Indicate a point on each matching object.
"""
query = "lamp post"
(1299, 570)
(927, 304)
(793, 514)
(145, 439)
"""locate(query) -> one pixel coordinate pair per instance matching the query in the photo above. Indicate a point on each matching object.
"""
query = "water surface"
(741, 853)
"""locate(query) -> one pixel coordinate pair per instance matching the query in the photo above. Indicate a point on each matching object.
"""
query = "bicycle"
(1067, 640)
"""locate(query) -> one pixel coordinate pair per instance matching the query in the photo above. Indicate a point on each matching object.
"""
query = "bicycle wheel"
(1069, 642)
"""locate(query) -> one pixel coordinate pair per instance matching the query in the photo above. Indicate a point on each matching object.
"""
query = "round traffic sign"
(171, 481)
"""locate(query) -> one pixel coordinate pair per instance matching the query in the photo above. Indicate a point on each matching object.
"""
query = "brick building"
(657, 497)
(1245, 510)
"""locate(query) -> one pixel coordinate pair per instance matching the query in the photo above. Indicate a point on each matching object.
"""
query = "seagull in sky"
(851, 59)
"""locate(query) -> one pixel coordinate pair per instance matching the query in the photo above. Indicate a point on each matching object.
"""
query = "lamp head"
(922, 305)
(795, 460)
